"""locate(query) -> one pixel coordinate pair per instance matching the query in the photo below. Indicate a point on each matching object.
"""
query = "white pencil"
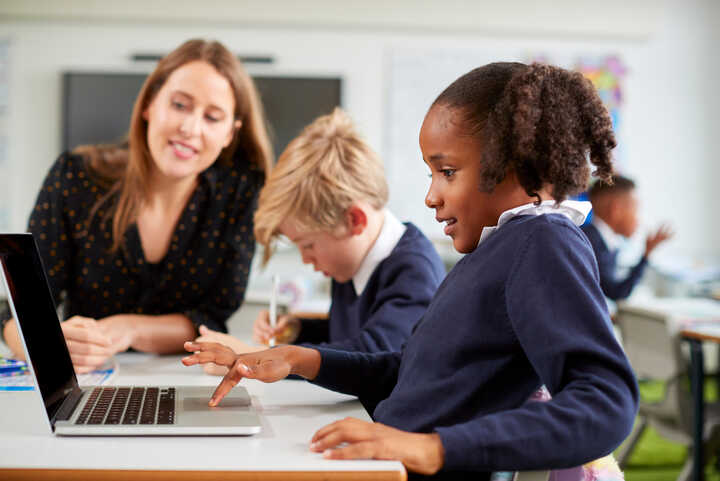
(273, 307)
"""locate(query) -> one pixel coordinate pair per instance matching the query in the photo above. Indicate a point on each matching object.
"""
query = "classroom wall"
(669, 129)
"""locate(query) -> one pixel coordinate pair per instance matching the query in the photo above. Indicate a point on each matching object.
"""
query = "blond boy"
(327, 195)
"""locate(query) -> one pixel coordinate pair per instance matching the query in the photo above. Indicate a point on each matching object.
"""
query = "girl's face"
(190, 121)
(454, 160)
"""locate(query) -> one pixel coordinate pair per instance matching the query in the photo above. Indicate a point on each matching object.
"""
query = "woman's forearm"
(163, 334)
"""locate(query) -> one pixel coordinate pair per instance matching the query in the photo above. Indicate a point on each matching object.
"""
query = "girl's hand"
(88, 345)
(352, 438)
(285, 332)
(208, 335)
(267, 366)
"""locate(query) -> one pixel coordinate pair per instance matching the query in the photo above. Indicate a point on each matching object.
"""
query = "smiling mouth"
(448, 222)
(185, 150)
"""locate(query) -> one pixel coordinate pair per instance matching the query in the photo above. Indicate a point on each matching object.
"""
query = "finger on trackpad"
(201, 403)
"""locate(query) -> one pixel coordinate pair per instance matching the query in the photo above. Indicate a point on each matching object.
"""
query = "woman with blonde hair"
(144, 241)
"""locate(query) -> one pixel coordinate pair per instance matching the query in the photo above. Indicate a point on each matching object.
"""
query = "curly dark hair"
(539, 121)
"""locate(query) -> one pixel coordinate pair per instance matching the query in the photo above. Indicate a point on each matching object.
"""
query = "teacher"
(145, 241)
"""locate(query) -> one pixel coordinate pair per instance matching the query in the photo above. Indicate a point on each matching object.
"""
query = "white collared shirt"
(611, 239)
(575, 210)
(390, 234)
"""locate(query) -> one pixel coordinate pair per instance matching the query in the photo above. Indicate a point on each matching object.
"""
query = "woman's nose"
(190, 125)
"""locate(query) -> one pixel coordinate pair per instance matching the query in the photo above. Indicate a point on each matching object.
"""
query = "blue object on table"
(11, 366)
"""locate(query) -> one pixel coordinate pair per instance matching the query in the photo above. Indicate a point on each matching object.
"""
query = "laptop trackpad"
(196, 399)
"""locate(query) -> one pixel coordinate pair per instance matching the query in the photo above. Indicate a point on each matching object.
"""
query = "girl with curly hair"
(506, 145)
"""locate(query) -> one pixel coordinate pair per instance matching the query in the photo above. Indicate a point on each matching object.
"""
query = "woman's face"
(190, 120)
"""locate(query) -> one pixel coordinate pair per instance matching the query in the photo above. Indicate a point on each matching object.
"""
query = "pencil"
(273, 307)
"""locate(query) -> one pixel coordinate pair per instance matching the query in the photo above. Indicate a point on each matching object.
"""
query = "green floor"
(655, 458)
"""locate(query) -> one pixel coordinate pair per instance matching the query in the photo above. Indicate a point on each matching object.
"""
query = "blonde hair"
(125, 168)
(321, 173)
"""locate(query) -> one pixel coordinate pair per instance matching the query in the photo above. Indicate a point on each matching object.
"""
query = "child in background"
(506, 144)
(327, 194)
(615, 214)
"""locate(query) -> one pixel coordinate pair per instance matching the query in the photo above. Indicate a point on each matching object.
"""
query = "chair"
(655, 354)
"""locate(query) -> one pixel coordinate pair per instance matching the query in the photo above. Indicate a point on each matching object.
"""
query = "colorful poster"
(607, 73)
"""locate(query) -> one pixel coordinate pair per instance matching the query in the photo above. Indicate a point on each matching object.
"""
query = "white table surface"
(680, 312)
(291, 412)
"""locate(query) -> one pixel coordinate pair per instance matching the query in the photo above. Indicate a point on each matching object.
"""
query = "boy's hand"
(656, 238)
(352, 438)
(285, 332)
(267, 366)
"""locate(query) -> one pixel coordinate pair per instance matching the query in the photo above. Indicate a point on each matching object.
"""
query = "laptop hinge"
(68, 406)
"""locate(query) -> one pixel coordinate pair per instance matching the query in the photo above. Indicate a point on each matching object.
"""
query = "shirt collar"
(575, 210)
(611, 239)
(390, 234)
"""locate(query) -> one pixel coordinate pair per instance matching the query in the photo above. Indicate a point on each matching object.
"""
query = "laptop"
(103, 410)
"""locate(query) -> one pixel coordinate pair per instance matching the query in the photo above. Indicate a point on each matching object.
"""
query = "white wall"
(670, 127)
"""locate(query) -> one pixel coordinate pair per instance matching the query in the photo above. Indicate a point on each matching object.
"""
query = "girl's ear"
(356, 219)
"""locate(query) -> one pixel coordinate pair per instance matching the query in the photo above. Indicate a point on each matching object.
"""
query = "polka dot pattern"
(205, 270)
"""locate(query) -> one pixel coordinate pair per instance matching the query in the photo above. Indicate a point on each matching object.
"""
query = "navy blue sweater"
(396, 296)
(613, 287)
(524, 309)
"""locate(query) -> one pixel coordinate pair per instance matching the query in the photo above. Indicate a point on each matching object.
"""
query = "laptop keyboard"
(129, 405)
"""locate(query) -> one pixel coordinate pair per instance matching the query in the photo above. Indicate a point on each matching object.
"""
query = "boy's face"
(624, 207)
(334, 254)
(454, 161)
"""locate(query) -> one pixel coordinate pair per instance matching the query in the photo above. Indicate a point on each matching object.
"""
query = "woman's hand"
(352, 438)
(120, 329)
(89, 346)
(285, 332)
(267, 366)
(208, 335)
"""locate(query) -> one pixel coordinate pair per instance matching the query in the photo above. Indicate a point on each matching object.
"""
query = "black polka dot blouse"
(203, 275)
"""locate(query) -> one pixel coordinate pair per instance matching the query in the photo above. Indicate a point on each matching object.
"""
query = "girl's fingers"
(361, 450)
(200, 346)
(209, 356)
(234, 375)
(333, 430)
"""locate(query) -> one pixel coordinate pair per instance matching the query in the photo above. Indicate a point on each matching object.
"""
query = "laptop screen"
(33, 306)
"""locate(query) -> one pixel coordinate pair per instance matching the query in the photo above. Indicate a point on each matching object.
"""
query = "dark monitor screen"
(97, 106)
(34, 308)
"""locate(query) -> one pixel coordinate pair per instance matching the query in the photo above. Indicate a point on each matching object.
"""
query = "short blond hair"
(321, 173)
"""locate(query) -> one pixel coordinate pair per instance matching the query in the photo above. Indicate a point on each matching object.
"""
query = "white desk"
(291, 412)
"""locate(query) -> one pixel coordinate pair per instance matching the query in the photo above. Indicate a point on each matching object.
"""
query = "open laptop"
(103, 410)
